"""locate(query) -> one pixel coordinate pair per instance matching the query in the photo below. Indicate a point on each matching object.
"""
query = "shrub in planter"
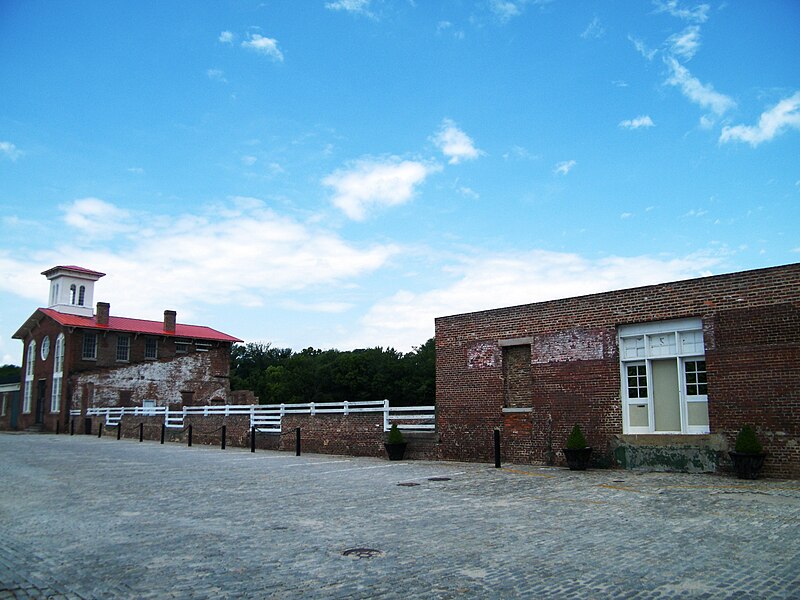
(748, 455)
(578, 450)
(395, 444)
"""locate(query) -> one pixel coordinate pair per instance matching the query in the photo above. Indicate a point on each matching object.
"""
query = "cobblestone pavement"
(82, 517)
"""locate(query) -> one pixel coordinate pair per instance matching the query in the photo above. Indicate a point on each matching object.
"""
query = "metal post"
(190, 434)
(100, 430)
(72, 426)
(496, 447)
(297, 442)
(222, 446)
(163, 431)
(141, 432)
(253, 438)
(119, 429)
(58, 426)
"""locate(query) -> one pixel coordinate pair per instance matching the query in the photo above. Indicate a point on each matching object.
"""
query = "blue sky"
(339, 173)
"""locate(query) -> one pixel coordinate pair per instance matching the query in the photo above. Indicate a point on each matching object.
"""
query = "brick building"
(661, 376)
(74, 358)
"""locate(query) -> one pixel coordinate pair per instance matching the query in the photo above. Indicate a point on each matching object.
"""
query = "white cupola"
(72, 289)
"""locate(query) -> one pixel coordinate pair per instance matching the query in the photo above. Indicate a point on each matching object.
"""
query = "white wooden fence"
(267, 418)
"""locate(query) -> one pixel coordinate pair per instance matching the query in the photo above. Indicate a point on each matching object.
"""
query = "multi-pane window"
(637, 381)
(123, 348)
(151, 348)
(89, 345)
(27, 399)
(58, 374)
(664, 379)
(81, 295)
(182, 347)
(696, 382)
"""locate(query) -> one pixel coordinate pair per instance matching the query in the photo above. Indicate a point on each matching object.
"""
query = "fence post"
(100, 430)
(253, 438)
(386, 415)
(297, 442)
(346, 408)
(119, 428)
(141, 431)
(312, 409)
(223, 437)
(163, 431)
(496, 447)
(58, 425)
(190, 434)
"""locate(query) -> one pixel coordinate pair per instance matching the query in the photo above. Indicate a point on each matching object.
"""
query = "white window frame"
(645, 354)
(30, 362)
(151, 343)
(58, 374)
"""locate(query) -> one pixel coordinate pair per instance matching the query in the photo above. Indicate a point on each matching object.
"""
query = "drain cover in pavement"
(408, 484)
(362, 552)
(438, 478)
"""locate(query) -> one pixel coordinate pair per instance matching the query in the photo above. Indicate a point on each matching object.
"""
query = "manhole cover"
(438, 478)
(408, 484)
(362, 552)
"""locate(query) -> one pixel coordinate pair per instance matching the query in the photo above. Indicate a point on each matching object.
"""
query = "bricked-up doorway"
(517, 376)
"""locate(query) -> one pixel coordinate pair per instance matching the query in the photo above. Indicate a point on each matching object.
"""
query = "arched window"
(81, 295)
(58, 374)
(72, 291)
(30, 361)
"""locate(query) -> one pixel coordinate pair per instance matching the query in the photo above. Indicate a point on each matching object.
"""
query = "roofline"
(73, 269)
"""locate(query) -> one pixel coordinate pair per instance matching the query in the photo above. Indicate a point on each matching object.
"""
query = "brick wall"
(750, 322)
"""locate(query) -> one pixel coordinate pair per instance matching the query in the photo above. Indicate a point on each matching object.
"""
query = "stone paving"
(82, 517)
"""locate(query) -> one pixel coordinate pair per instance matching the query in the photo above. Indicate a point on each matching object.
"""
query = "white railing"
(267, 418)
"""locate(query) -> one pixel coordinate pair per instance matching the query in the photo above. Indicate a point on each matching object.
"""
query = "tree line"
(280, 375)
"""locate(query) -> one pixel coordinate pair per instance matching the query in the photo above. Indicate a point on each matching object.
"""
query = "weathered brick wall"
(751, 337)
(358, 434)
(204, 373)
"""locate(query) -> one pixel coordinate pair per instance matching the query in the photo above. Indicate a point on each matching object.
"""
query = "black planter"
(747, 466)
(396, 451)
(577, 458)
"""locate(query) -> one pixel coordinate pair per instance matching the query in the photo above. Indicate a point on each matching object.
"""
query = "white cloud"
(505, 10)
(249, 160)
(96, 218)
(564, 167)
(10, 151)
(454, 143)
(405, 318)
(703, 94)
(637, 123)
(695, 14)
(136, 170)
(239, 253)
(784, 115)
(263, 45)
(359, 7)
(216, 75)
(625, 215)
(686, 43)
(226, 37)
(371, 183)
(642, 48)
(594, 30)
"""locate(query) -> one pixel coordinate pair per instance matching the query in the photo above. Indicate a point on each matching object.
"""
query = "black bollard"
(58, 425)
(141, 432)
(190, 434)
(297, 442)
(100, 430)
(497, 448)
(222, 445)
(253, 438)
(72, 426)
(119, 429)
(163, 431)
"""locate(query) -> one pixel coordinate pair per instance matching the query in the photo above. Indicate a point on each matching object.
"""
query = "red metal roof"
(73, 268)
(139, 326)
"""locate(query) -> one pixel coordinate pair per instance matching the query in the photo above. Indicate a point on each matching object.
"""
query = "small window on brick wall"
(123, 348)
(151, 348)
